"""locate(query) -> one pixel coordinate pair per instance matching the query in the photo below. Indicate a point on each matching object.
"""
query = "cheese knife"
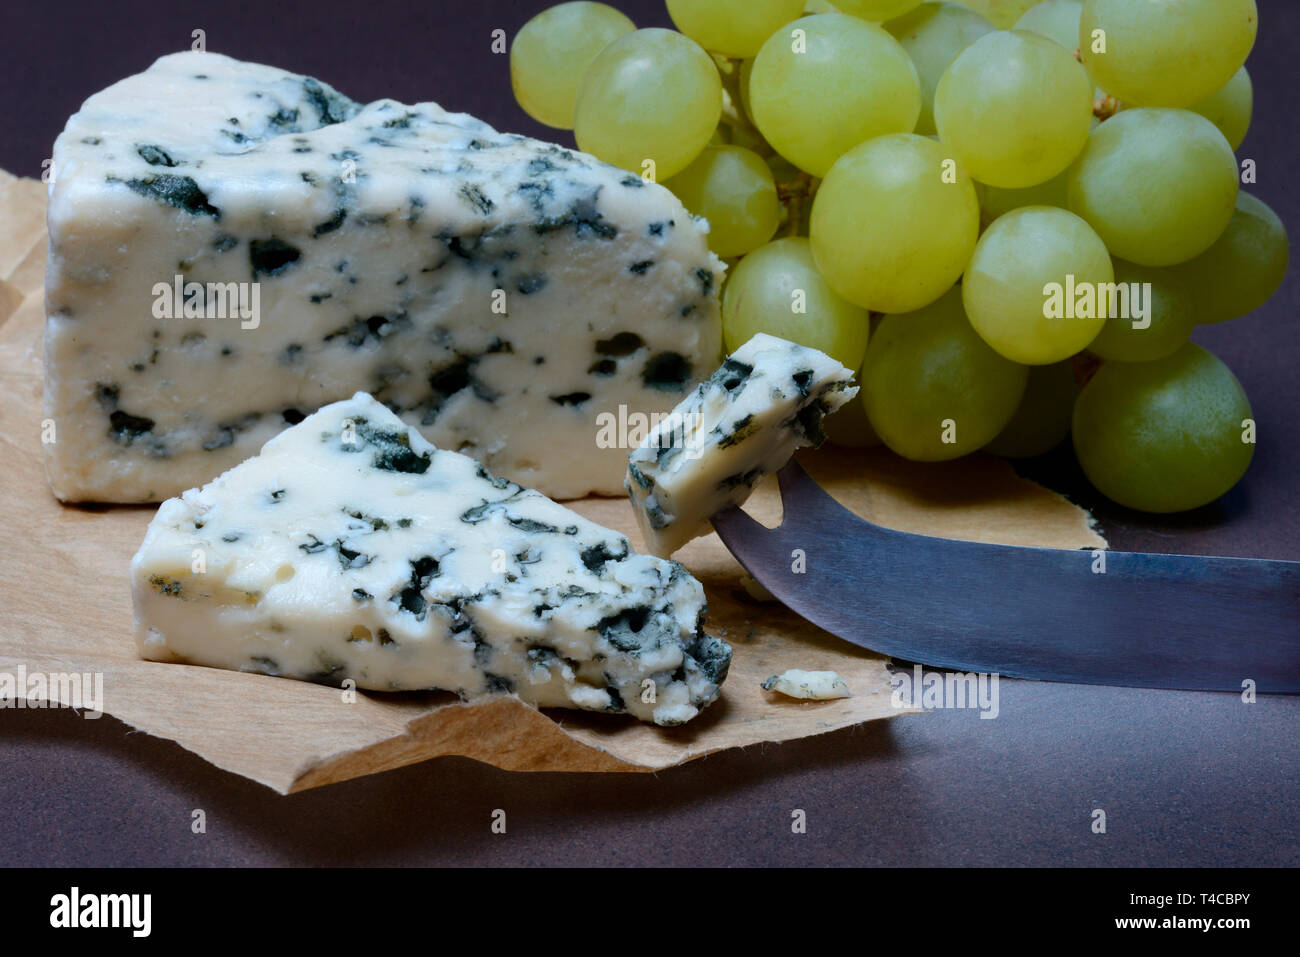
(1104, 617)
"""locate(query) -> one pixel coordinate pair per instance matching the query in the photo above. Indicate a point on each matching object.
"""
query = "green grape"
(1043, 418)
(732, 188)
(1001, 13)
(649, 103)
(1166, 305)
(932, 389)
(552, 51)
(849, 428)
(1229, 107)
(735, 28)
(933, 34)
(1015, 108)
(825, 83)
(777, 289)
(1058, 20)
(1158, 185)
(996, 202)
(1243, 268)
(1027, 286)
(1163, 436)
(1166, 52)
(876, 9)
(894, 223)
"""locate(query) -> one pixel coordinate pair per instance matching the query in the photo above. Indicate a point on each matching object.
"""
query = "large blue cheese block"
(233, 247)
(351, 549)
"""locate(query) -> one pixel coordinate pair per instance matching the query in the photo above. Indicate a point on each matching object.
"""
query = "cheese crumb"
(812, 685)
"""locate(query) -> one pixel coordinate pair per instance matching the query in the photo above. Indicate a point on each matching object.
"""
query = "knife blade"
(1103, 617)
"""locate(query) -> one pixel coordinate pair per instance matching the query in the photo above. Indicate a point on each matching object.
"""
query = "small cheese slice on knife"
(767, 400)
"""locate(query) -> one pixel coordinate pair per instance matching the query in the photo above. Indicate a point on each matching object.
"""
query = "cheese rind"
(498, 292)
(768, 399)
(350, 548)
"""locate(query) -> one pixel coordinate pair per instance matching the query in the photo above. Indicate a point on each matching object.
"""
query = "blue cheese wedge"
(233, 247)
(351, 548)
(768, 399)
(809, 685)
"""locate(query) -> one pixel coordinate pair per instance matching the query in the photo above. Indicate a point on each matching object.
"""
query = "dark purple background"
(1195, 779)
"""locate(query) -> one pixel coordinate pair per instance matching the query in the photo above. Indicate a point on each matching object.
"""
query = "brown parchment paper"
(65, 606)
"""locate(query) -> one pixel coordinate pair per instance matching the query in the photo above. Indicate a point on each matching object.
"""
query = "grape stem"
(1084, 366)
(1105, 106)
(795, 197)
(733, 112)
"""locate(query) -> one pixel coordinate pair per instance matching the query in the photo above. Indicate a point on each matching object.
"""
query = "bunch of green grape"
(1009, 216)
